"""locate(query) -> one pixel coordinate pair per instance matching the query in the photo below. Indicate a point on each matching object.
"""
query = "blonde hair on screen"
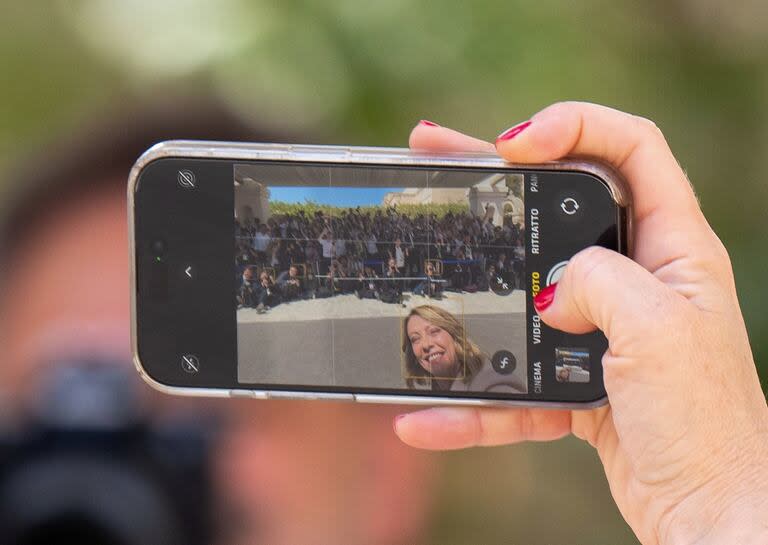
(467, 352)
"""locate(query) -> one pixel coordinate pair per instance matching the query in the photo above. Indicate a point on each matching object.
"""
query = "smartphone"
(366, 274)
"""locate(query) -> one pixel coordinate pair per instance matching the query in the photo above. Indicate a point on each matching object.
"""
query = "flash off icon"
(504, 362)
(186, 179)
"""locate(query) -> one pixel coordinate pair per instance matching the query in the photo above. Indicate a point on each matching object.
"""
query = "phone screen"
(381, 279)
(414, 280)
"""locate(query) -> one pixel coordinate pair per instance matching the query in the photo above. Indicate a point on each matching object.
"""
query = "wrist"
(742, 524)
(733, 511)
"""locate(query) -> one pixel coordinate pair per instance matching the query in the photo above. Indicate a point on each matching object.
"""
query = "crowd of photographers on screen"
(373, 255)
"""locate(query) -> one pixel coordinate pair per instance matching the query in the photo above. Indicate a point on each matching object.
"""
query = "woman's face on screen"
(433, 346)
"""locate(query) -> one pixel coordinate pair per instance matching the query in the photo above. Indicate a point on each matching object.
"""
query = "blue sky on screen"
(337, 196)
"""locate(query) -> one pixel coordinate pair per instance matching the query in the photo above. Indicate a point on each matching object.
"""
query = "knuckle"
(648, 128)
(704, 257)
(559, 105)
(563, 106)
(566, 104)
(720, 253)
(716, 260)
(527, 427)
(583, 266)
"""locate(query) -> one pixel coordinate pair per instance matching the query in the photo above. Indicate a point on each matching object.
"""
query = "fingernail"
(545, 297)
(510, 133)
(396, 420)
(428, 123)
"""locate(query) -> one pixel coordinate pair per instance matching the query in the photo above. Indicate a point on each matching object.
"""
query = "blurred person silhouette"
(269, 292)
(291, 283)
(247, 295)
(430, 286)
(281, 472)
(391, 290)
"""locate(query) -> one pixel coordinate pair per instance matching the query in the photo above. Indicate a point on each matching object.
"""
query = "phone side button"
(279, 394)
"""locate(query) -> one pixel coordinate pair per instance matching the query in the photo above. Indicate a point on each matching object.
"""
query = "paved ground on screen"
(351, 342)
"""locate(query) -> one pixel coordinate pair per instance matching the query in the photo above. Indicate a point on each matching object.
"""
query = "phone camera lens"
(158, 248)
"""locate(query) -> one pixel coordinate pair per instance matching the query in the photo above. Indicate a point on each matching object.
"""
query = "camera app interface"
(382, 278)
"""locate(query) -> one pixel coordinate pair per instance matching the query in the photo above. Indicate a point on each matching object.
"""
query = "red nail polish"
(510, 133)
(544, 298)
(428, 123)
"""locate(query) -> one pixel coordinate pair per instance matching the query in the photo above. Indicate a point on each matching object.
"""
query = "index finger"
(446, 428)
(631, 144)
(434, 138)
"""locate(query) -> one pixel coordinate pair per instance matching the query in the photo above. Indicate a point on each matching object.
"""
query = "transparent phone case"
(237, 151)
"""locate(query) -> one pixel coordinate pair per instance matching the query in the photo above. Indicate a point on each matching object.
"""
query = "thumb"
(606, 290)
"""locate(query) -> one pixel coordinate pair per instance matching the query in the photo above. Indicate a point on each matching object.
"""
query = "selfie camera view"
(379, 278)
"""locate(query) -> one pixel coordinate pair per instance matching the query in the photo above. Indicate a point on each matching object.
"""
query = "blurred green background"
(364, 73)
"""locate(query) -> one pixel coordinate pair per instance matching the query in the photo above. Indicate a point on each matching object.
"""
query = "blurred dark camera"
(87, 467)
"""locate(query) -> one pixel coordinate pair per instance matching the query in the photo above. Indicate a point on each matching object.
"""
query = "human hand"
(685, 437)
